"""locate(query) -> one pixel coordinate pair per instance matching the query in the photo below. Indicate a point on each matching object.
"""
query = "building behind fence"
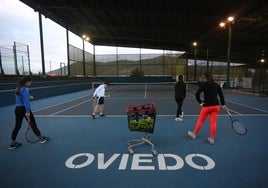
(15, 60)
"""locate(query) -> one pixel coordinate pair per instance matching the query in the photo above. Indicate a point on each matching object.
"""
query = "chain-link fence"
(124, 64)
(148, 64)
(15, 59)
(77, 67)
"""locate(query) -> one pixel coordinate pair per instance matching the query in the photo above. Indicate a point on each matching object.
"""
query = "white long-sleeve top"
(100, 91)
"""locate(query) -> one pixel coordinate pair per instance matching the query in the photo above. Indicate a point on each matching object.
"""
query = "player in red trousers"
(210, 106)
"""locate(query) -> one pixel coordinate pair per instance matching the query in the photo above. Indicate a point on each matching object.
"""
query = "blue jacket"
(23, 99)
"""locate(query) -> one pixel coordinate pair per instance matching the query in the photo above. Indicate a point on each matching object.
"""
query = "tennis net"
(145, 87)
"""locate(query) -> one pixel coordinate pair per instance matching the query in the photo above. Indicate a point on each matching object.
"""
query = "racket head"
(238, 127)
(30, 136)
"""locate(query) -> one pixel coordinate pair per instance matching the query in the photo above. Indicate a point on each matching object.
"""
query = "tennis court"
(93, 153)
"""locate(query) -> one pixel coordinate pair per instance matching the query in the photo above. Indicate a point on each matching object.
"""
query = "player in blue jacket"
(23, 110)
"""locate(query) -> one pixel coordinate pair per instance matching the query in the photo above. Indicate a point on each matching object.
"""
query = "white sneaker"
(178, 119)
(211, 141)
(192, 135)
(43, 139)
(181, 116)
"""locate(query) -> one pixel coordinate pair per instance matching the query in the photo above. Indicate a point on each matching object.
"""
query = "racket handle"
(227, 110)
(27, 115)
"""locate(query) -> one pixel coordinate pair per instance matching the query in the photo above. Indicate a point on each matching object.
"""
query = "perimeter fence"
(15, 60)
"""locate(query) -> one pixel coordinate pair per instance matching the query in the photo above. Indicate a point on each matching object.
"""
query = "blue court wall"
(43, 88)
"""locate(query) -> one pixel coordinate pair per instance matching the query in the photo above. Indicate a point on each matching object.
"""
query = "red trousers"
(213, 112)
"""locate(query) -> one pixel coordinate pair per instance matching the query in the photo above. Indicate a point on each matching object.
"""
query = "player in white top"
(99, 95)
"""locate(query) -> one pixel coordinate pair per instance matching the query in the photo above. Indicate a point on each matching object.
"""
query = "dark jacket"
(180, 90)
(211, 93)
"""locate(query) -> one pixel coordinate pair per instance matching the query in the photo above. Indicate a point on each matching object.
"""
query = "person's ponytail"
(21, 82)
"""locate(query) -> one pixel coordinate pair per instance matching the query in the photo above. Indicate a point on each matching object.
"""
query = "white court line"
(120, 98)
(42, 87)
(67, 101)
(69, 108)
(57, 104)
(125, 116)
(248, 107)
(233, 111)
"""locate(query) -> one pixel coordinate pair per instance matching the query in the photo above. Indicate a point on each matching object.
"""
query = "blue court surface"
(83, 152)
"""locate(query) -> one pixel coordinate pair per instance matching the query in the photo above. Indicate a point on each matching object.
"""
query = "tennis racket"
(29, 134)
(94, 103)
(237, 125)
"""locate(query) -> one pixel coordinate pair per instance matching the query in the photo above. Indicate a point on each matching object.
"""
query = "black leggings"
(20, 114)
(179, 106)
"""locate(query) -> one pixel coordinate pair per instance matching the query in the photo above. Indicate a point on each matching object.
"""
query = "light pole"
(229, 21)
(262, 61)
(62, 69)
(84, 38)
(194, 45)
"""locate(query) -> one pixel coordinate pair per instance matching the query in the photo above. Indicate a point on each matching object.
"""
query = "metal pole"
(207, 60)
(260, 77)
(62, 69)
(42, 44)
(68, 53)
(187, 67)
(140, 59)
(94, 61)
(163, 64)
(1, 67)
(228, 54)
(23, 70)
(194, 63)
(84, 62)
(30, 72)
(117, 68)
(15, 59)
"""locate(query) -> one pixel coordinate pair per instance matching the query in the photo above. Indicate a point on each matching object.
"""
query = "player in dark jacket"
(180, 93)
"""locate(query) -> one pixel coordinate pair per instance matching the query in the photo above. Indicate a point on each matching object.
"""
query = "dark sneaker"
(93, 116)
(14, 145)
(102, 115)
(43, 139)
